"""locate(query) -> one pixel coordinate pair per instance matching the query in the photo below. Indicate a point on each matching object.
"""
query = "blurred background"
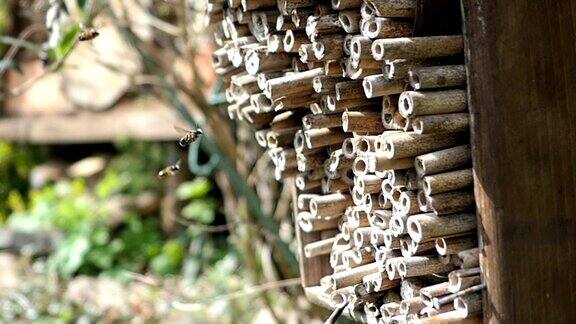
(88, 232)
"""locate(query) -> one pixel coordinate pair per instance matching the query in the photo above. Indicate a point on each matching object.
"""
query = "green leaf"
(201, 211)
(197, 188)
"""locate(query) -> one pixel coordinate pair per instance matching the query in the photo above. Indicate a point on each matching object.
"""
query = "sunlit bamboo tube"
(420, 265)
(430, 292)
(447, 181)
(428, 226)
(345, 4)
(387, 28)
(318, 248)
(458, 283)
(329, 205)
(443, 160)
(353, 276)
(292, 84)
(402, 145)
(410, 287)
(470, 304)
(293, 40)
(451, 202)
(379, 85)
(412, 305)
(349, 90)
(453, 245)
(417, 47)
(329, 47)
(458, 122)
(469, 258)
(323, 137)
(418, 103)
(281, 138)
(443, 76)
(362, 122)
(309, 223)
(256, 62)
(350, 21)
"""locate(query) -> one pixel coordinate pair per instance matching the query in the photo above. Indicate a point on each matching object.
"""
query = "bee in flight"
(87, 34)
(169, 170)
(189, 136)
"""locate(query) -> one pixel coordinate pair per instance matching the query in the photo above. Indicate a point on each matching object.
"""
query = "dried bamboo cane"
(445, 76)
(444, 160)
(319, 248)
(417, 47)
(418, 103)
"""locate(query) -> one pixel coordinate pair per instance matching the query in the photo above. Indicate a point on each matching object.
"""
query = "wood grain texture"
(520, 58)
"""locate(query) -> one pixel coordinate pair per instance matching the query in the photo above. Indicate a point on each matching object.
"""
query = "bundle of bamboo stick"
(372, 124)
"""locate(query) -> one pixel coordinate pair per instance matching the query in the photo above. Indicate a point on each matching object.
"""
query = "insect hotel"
(430, 145)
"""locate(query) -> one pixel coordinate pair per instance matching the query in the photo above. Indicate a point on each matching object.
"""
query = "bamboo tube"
(303, 202)
(382, 283)
(275, 43)
(361, 165)
(408, 205)
(284, 24)
(450, 317)
(282, 137)
(334, 185)
(461, 283)
(346, 4)
(384, 202)
(402, 145)
(325, 84)
(311, 161)
(322, 121)
(286, 6)
(248, 5)
(451, 202)
(361, 256)
(444, 160)
(412, 305)
(349, 90)
(387, 28)
(293, 40)
(410, 287)
(329, 48)
(391, 266)
(421, 265)
(310, 224)
(378, 85)
(317, 248)
(389, 310)
(361, 236)
(444, 123)
(369, 184)
(380, 219)
(417, 47)
(399, 8)
(322, 25)
(306, 185)
(256, 62)
(292, 84)
(323, 137)
(286, 120)
(428, 226)
(353, 276)
(469, 258)
(431, 292)
(329, 205)
(447, 181)
(334, 105)
(445, 76)
(350, 21)
(261, 103)
(362, 122)
(418, 103)
(360, 47)
(453, 245)
(366, 144)
(469, 304)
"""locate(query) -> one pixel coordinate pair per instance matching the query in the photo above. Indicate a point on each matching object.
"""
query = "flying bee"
(169, 170)
(189, 136)
(87, 34)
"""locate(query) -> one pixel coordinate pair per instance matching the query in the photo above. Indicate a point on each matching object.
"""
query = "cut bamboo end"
(443, 160)
(429, 226)
(418, 103)
(417, 47)
(448, 181)
(443, 123)
(446, 76)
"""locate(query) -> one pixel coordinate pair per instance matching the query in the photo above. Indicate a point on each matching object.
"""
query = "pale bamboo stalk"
(396, 8)
(381, 162)
(384, 201)
(389, 310)
(361, 256)
(410, 287)
(294, 101)
(362, 122)
(283, 24)
(263, 77)
(366, 144)
(329, 205)
(469, 258)
(359, 217)
(334, 185)
(458, 122)
(367, 11)
(447, 181)
(322, 121)
(257, 62)
(402, 145)
(378, 86)
(329, 48)
(418, 103)
(286, 120)
(432, 77)
(360, 47)
(322, 25)
(450, 317)
(444, 160)
(350, 21)
(281, 138)
(317, 248)
(369, 184)
(341, 296)
(408, 205)
(325, 84)
(453, 245)
(345, 4)
(292, 84)
(261, 102)
(361, 237)
(353, 276)
(323, 137)
(275, 43)
(349, 90)
(412, 305)
(391, 266)
(431, 292)
(451, 202)
(410, 248)
(417, 47)
(428, 226)
(363, 103)
(310, 224)
(380, 219)
(293, 40)
(420, 265)
(469, 304)
(310, 161)
(299, 16)
(304, 184)
(387, 28)
(461, 283)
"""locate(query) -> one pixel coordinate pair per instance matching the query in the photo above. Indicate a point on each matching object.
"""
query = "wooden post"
(521, 79)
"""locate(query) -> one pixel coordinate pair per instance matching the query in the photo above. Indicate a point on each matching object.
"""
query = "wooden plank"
(521, 61)
(142, 120)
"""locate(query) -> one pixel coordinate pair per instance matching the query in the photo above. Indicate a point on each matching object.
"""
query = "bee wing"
(181, 129)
